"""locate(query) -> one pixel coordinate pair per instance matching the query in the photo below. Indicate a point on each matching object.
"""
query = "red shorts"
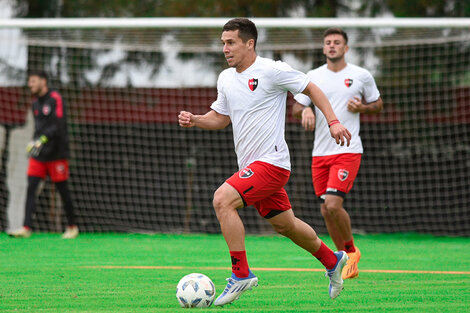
(58, 170)
(262, 185)
(335, 174)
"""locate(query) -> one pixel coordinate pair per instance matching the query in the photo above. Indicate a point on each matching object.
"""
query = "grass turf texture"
(48, 274)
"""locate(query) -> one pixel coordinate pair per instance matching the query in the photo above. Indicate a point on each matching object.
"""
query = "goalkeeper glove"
(35, 146)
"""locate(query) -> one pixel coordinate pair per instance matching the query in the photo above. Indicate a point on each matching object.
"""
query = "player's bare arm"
(211, 120)
(340, 133)
(356, 105)
(306, 114)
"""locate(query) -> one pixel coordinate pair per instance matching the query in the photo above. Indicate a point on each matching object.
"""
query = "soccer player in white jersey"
(252, 96)
(351, 90)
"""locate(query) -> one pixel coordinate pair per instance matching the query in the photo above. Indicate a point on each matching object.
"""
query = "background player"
(252, 96)
(49, 152)
(334, 167)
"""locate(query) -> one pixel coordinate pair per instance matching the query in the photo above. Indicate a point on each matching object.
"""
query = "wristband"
(333, 122)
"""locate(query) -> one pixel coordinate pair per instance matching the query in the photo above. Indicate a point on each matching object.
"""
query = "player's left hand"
(341, 134)
(308, 119)
(355, 105)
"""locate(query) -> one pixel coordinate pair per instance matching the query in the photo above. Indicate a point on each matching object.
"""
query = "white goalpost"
(125, 79)
(175, 22)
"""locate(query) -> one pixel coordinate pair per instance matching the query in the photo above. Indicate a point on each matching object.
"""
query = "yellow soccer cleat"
(350, 270)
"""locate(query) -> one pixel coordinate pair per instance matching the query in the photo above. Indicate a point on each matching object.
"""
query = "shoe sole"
(255, 284)
(19, 236)
(69, 237)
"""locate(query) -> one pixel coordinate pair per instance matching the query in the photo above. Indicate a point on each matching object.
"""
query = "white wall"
(16, 171)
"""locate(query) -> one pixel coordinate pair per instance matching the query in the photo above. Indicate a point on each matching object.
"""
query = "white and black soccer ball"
(195, 290)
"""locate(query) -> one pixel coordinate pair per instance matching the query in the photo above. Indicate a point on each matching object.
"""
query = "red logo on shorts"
(348, 82)
(245, 173)
(253, 83)
(343, 174)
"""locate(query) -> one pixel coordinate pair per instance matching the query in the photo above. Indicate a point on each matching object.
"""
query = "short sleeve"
(220, 104)
(289, 79)
(302, 99)
(371, 92)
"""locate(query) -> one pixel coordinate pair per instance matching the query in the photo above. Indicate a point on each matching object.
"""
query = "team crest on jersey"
(246, 173)
(46, 109)
(253, 83)
(348, 82)
(343, 174)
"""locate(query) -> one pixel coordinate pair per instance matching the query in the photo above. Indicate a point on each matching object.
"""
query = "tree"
(73, 57)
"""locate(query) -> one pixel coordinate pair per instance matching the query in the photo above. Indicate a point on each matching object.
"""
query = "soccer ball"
(195, 291)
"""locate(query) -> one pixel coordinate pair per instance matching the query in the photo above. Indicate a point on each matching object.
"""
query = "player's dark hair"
(246, 28)
(338, 31)
(39, 73)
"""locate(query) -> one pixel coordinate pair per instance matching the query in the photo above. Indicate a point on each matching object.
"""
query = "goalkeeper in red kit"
(49, 152)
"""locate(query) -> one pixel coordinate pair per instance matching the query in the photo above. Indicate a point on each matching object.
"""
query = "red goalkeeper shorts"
(335, 174)
(262, 185)
(57, 170)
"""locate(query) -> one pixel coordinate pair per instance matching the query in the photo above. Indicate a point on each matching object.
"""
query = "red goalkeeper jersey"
(50, 120)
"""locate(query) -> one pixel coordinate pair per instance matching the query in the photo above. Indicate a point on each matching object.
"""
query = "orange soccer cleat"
(350, 270)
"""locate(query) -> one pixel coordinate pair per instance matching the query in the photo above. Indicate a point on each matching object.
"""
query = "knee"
(32, 189)
(284, 228)
(220, 202)
(33, 184)
(226, 201)
(330, 208)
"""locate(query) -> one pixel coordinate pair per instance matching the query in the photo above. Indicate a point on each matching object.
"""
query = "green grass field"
(139, 273)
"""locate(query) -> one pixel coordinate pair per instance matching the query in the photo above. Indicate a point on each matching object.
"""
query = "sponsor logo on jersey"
(46, 109)
(253, 83)
(343, 174)
(348, 82)
(245, 173)
(36, 112)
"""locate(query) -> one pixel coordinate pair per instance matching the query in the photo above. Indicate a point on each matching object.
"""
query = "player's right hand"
(35, 146)
(308, 119)
(340, 134)
(186, 119)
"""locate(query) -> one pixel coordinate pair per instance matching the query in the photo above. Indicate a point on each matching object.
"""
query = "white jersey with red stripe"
(255, 101)
(339, 87)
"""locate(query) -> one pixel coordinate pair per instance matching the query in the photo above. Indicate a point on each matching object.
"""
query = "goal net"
(134, 169)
